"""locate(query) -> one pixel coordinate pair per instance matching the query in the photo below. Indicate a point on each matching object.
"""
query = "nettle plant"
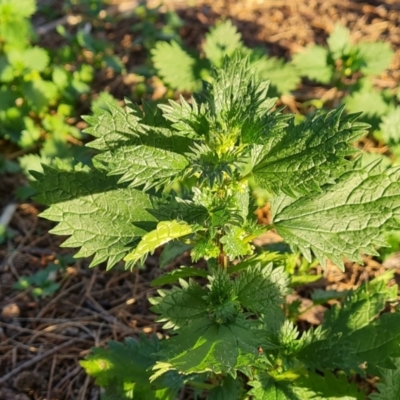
(184, 70)
(178, 176)
(343, 59)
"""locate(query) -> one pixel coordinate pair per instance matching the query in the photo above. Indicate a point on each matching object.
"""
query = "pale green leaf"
(300, 158)
(175, 66)
(165, 232)
(204, 248)
(376, 56)
(31, 59)
(234, 243)
(98, 214)
(390, 127)
(282, 75)
(222, 40)
(20, 8)
(39, 94)
(344, 220)
(339, 41)
(35, 59)
(369, 101)
(313, 63)
(389, 386)
(15, 29)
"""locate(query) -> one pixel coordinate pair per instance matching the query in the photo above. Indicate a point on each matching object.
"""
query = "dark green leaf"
(94, 210)
(344, 220)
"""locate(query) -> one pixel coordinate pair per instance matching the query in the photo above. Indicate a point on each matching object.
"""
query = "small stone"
(10, 311)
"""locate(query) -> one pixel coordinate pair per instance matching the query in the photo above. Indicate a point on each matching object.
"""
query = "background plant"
(228, 333)
(40, 89)
(343, 60)
(184, 70)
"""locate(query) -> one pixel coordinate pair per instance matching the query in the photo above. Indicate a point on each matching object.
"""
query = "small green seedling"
(43, 283)
(185, 70)
(342, 59)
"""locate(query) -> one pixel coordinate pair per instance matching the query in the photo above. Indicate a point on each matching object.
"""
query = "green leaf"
(176, 274)
(236, 97)
(190, 119)
(361, 306)
(300, 158)
(344, 220)
(390, 127)
(377, 343)
(172, 250)
(234, 243)
(229, 389)
(39, 94)
(175, 66)
(327, 387)
(261, 288)
(124, 371)
(353, 338)
(389, 387)
(313, 63)
(222, 40)
(283, 76)
(265, 388)
(143, 165)
(204, 248)
(20, 8)
(179, 306)
(119, 127)
(376, 56)
(142, 154)
(165, 232)
(207, 346)
(94, 210)
(368, 101)
(15, 29)
(32, 59)
(339, 41)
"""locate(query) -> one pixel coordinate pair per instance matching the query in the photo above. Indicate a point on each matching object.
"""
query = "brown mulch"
(42, 340)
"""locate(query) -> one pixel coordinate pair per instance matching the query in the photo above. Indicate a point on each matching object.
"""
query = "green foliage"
(94, 210)
(43, 282)
(342, 58)
(178, 176)
(123, 370)
(183, 70)
(40, 89)
(389, 387)
(311, 222)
